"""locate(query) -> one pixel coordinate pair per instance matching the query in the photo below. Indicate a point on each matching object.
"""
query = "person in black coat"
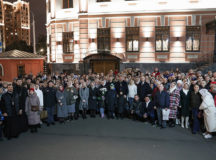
(122, 91)
(22, 92)
(195, 102)
(143, 89)
(11, 110)
(136, 110)
(50, 102)
(148, 111)
(93, 91)
(111, 100)
(185, 105)
(102, 90)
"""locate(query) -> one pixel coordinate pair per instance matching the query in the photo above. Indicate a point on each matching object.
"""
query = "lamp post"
(34, 36)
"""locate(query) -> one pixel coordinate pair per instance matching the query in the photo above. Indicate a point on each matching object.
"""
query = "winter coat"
(209, 110)
(93, 92)
(22, 93)
(174, 103)
(148, 109)
(62, 110)
(71, 94)
(143, 89)
(184, 103)
(10, 104)
(111, 100)
(102, 91)
(84, 96)
(49, 97)
(161, 99)
(137, 107)
(33, 117)
(195, 100)
(121, 88)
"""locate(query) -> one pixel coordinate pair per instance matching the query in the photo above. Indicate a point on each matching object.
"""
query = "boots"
(182, 122)
(84, 114)
(187, 122)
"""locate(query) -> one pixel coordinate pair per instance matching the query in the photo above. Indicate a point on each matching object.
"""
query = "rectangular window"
(162, 34)
(132, 39)
(67, 4)
(68, 42)
(193, 38)
(103, 39)
(20, 70)
(103, 0)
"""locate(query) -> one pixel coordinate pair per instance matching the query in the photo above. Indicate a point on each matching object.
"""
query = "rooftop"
(17, 54)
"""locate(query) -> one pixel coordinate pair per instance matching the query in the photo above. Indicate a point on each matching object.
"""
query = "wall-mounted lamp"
(177, 38)
(117, 39)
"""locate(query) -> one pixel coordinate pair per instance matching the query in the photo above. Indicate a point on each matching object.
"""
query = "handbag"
(43, 114)
(165, 114)
(34, 108)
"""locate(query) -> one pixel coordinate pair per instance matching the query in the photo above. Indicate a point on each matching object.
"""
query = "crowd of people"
(162, 99)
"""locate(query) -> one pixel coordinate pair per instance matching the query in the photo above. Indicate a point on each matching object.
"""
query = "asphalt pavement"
(102, 139)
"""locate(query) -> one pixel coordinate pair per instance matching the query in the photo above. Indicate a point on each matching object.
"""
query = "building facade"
(14, 22)
(115, 34)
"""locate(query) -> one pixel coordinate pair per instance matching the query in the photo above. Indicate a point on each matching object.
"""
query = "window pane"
(196, 43)
(135, 45)
(165, 43)
(65, 3)
(70, 4)
(158, 43)
(189, 44)
(129, 45)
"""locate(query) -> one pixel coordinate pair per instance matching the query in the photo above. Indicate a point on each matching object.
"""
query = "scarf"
(172, 89)
(185, 91)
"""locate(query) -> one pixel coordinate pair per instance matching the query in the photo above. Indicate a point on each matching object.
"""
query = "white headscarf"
(207, 98)
(172, 89)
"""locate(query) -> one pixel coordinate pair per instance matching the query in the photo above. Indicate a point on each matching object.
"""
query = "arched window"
(1, 70)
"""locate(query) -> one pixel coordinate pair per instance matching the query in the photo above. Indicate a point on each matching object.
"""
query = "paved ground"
(96, 139)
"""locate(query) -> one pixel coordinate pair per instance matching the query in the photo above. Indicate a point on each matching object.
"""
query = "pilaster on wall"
(84, 42)
(177, 30)
(147, 31)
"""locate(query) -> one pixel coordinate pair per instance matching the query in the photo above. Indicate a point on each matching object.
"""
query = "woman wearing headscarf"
(184, 105)
(174, 103)
(62, 110)
(209, 113)
(32, 108)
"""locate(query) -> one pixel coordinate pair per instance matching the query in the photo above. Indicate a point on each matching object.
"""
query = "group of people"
(162, 99)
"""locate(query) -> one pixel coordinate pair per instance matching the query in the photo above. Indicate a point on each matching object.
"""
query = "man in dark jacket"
(122, 91)
(161, 102)
(50, 102)
(148, 110)
(11, 110)
(143, 89)
(136, 110)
